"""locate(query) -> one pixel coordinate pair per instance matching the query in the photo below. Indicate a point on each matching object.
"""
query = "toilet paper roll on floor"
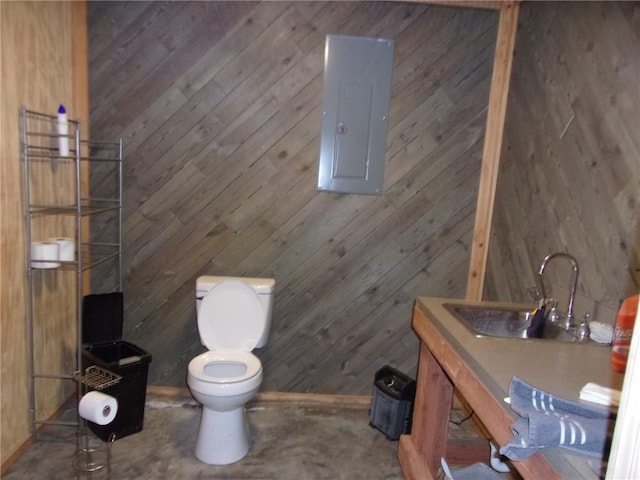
(67, 248)
(98, 407)
(45, 254)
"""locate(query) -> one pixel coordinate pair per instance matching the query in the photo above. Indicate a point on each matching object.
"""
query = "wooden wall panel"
(570, 169)
(220, 108)
(40, 71)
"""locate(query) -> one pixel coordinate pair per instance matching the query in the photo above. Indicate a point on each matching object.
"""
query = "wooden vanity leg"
(420, 452)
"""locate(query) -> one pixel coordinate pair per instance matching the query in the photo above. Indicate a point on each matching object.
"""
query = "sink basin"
(504, 322)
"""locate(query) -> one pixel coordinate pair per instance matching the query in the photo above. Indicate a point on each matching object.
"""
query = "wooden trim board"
(488, 4)
(505, 44)
(80, 110)
(284, 397)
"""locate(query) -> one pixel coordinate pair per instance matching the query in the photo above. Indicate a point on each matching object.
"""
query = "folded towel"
(592, 392)
(550, 421)
(601, 332)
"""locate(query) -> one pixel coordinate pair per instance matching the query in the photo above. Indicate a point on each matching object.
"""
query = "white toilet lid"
(231, 316)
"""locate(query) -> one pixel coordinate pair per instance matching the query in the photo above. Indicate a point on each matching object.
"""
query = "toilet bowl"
(231, 320)
(223, 382)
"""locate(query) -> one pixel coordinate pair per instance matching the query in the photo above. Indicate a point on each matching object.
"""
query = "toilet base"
(223, 437)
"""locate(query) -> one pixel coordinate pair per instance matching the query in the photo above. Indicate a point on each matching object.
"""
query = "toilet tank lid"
(205, 283)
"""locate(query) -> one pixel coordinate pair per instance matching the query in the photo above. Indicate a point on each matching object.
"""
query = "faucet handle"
(583, 331)
(554, 314)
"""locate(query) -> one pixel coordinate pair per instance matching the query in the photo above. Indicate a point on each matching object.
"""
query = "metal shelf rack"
(96, 217)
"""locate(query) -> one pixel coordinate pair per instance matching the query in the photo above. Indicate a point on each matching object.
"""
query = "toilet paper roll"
(67, 248)
(98, 407)
(45, 255)
(45, 264)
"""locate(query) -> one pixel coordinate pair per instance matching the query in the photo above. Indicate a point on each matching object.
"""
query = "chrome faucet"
(574, 283)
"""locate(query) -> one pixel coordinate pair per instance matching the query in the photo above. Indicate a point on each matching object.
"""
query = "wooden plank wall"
(42, 66)
(219, 105)
(570, 168)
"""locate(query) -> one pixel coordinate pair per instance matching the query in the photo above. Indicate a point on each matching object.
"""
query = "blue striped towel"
(550, 421)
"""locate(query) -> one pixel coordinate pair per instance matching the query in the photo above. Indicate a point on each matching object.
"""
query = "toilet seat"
(231, 316)
(225, 366)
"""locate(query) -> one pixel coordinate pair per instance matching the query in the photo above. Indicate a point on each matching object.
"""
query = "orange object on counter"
(622, 333)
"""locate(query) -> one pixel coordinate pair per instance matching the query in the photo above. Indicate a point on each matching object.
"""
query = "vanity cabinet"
(480, 370)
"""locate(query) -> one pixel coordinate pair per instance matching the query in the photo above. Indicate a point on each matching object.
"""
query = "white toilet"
(233, 316)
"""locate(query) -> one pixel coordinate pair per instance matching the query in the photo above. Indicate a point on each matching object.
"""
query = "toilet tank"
(264, 287)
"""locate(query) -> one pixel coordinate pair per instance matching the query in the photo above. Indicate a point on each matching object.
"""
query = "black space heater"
(392, 402)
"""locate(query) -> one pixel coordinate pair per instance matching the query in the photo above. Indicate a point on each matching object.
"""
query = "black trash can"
(102, 329)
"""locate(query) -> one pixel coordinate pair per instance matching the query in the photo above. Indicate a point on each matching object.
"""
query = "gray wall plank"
(221, 128)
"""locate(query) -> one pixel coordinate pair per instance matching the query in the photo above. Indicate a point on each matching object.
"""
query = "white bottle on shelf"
(63, 132)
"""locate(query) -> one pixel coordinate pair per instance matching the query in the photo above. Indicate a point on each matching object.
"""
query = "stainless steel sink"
(504, 322)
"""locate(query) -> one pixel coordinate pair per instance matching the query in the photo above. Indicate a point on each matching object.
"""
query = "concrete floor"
(299, 439)
(293, 436)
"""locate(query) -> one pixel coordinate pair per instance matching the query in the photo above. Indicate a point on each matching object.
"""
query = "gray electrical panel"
(356, 96)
